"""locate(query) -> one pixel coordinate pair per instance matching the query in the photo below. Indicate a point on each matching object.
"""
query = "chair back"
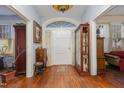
(39, 55)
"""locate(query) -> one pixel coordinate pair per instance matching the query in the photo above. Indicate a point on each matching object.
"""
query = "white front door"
(62, 47)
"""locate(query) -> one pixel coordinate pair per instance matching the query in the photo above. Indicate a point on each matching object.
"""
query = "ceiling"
(116, 11)
(47, 11)
(7, 14)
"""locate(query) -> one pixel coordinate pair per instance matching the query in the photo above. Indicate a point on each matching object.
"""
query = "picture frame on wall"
(37, 31)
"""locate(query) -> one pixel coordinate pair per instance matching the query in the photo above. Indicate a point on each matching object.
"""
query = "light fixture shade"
(62, 8)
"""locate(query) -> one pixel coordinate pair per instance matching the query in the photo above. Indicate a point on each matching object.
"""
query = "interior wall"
(73, 48)
(26, 12)
(110, 19)
(48, 47)
(93, 12)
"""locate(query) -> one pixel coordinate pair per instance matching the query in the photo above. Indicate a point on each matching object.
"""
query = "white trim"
(17, 12)
(54, 20)
(93, 46)
(60, 19)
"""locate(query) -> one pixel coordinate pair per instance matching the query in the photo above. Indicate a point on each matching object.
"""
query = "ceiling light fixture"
(62, 8)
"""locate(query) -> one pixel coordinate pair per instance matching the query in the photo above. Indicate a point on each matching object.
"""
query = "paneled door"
(62, 47)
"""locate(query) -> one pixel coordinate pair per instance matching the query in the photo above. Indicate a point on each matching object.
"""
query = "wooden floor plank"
(61, 77)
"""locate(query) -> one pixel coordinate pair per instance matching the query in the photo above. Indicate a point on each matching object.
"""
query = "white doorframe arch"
(44, 27)
(49, 21)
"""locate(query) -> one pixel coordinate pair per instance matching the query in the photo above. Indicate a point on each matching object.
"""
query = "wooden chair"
(45, 57)
(41, 60)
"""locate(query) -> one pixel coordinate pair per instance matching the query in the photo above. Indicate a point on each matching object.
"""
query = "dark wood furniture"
(100, 55)
(1, 64)
(20, 48)
(41, 60)
(82, 60)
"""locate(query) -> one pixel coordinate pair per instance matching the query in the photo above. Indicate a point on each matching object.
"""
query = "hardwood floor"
(60, 77)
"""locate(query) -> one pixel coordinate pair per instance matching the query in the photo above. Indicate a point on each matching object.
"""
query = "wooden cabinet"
(100, 55)
(20, 48)
(82, 51)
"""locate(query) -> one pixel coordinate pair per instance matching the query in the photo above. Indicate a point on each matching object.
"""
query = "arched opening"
(60, 42)
(61, 24)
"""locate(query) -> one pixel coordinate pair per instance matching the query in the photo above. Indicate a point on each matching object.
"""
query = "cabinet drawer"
(100, 64)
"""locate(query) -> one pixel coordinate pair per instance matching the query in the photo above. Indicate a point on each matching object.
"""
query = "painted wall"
(9, 17)
(110, 19)
(93, 12)
(78, 19)
(28, 12)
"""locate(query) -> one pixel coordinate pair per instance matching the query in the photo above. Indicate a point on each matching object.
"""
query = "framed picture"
(37, 31)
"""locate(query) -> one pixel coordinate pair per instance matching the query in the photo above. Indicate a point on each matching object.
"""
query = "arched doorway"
(60, 42)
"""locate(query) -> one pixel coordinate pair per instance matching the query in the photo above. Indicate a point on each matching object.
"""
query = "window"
(5, 31)
(61, 24)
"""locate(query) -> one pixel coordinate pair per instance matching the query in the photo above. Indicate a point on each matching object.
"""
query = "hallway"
(60, 77)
